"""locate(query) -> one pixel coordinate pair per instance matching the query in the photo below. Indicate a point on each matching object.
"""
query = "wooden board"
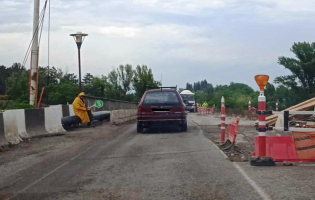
(306, 105)
(310, 125)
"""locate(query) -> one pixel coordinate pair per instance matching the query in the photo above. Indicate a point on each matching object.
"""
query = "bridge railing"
(109, 104)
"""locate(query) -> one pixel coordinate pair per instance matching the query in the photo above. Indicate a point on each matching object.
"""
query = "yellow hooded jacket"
(80, 109)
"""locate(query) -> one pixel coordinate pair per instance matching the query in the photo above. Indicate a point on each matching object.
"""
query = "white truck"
(189, 100)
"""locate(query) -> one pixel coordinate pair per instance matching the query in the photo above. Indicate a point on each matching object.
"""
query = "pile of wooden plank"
(306, 105)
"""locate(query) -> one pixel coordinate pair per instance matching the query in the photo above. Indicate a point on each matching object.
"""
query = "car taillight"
(182, 108)
(139, 109)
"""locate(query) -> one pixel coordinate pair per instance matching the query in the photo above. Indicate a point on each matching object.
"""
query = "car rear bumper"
(162, 123)
(190, 108)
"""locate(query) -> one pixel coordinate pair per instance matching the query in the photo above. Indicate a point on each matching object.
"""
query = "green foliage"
(63, 93)
(302, 79)
(143, 79)
(189, 87)
(122, 83)
(126, 83)
(236, 95)
(18, 105)
(18, 84)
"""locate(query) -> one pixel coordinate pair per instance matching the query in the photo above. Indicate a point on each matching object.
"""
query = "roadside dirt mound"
(244, 141)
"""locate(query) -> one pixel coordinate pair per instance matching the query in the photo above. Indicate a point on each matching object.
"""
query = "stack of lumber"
(306, 105)
(310, 124)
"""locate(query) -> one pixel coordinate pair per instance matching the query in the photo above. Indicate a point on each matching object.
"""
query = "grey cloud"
(224, 42)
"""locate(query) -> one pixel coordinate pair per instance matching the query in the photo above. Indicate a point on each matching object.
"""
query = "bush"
(15, 105)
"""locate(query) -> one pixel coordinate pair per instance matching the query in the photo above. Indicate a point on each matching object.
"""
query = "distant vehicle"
(189, 100)
(161, 107)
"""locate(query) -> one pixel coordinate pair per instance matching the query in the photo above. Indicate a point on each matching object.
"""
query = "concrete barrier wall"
(71, 112)
(53, 115)
(3, 140)
(65, 110)
(110, 104)
(122, 115)
(16, 125)
(11, 128)
(35, 122)
(17, 122)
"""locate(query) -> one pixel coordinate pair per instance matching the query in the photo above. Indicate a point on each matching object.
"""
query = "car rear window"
(160, 98)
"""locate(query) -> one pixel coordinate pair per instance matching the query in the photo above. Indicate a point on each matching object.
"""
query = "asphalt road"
(155, 165)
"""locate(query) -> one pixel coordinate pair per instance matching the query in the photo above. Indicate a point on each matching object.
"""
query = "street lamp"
(79, 38)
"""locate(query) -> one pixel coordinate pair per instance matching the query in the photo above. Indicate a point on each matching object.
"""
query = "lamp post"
(79, 38)
(261, 81)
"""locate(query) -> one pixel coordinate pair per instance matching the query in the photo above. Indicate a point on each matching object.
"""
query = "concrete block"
(65, 110)
(12, 123)
(113, 116)
(35, 122)
(53, 115)
(3, 140)
(71, 111)
(122, 115)
(280, 121)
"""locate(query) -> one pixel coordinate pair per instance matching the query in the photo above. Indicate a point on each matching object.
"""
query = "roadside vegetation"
(287, 90)
(128, 83)
(122, 83)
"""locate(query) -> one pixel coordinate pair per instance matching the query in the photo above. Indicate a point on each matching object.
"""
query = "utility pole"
(34, 56)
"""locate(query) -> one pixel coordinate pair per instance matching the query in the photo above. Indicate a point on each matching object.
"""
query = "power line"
(40, 23)
(38, 27)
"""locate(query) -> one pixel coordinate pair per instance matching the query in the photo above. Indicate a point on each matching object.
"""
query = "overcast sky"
(186, 40)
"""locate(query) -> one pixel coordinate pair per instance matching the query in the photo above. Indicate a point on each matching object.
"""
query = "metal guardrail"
(109, 104)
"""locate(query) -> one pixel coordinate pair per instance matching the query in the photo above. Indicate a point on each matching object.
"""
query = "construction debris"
(306, 105)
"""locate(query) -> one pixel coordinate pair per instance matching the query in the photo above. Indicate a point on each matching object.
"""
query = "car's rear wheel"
(184, 127)
(139, 128)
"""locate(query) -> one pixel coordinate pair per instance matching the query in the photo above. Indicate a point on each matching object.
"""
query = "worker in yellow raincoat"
(205, 104)
(80, 109)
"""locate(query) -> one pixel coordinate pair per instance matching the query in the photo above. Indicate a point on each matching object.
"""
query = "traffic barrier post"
(260, 158)
(230, 144)
(222, 120)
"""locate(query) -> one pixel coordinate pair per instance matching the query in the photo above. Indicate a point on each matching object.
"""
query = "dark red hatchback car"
(161, 107)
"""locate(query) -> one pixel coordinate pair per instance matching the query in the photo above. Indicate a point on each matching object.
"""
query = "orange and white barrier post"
(277, 106)
(249, 105)
(261, 146)
(222, 120)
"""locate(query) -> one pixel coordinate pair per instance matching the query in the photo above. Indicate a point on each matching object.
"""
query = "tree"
(69, 77)
(143, 79)
(63, 92)
(125, 74)
(98, 86)
(87, 79)
(18, 84)
(302, 79)
(114, 89)
(3, 79)
(189, 87)
(270, 92)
